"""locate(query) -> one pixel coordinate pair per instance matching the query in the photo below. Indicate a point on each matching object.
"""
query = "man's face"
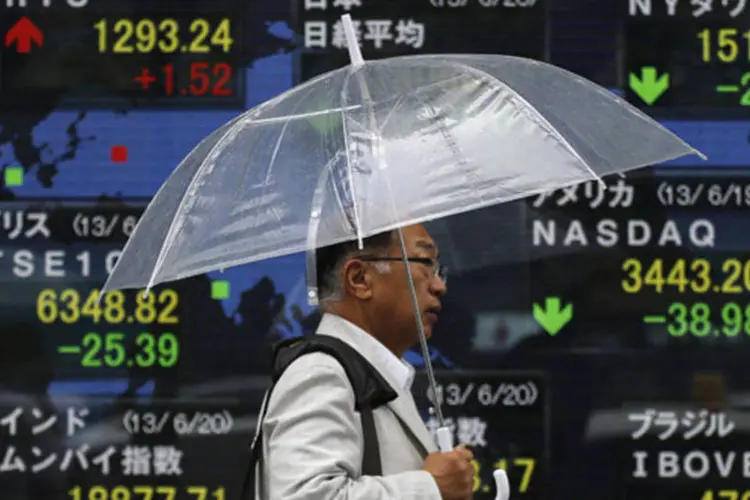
(392, 296)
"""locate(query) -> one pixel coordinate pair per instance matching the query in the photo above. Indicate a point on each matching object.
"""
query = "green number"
(678, 326)
(92, 344)
(169, 350)
(147, 354)
(114, 351)
(163, 350)
(731, 317)
(700, 314)
(745, 83)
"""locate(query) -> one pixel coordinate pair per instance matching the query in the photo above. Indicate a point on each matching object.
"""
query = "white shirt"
(401, 370)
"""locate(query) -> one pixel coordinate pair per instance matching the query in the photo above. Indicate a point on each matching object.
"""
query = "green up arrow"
(648, 87)
(552, 318)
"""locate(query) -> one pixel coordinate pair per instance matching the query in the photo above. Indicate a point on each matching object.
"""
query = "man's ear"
(358, 279)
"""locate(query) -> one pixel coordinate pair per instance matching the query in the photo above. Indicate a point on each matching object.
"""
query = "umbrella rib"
(277, 146)
(309, 114)
(179, 218)
(347, 153)
(455, 150)
(540, 119)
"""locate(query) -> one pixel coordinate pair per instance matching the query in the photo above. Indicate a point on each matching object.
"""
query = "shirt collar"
(399, 369)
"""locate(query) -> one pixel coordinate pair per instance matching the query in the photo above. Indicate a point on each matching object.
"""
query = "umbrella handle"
(501, 484)
(444, 439)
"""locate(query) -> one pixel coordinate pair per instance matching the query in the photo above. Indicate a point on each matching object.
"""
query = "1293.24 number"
(109, 350)
(145, 36)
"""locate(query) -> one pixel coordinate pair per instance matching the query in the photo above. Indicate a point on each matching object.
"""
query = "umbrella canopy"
(378, 145)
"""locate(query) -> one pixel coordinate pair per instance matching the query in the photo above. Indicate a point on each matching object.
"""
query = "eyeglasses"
(436, 268)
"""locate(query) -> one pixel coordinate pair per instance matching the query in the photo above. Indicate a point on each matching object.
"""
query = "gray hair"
(329, 288)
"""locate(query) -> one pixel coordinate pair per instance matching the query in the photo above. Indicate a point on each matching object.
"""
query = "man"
(313, 445)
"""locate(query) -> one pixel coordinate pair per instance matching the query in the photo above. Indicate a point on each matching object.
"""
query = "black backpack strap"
(371, 463)
(371, 391)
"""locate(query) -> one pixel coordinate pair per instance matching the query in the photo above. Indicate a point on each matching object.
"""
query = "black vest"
(371, 391)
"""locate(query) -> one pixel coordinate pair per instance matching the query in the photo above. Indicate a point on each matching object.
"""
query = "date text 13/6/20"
(486, 394)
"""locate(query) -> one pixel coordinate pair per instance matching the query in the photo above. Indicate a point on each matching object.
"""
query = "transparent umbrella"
(379, 145)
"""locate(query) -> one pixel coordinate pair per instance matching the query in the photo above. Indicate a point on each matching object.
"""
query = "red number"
(168, 79)
(222, 72)
(199, 72)
(202, 75)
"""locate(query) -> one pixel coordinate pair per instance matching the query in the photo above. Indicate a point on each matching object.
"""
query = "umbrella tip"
(355, 54)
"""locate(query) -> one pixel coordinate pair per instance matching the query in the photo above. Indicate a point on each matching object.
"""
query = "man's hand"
(453, 473)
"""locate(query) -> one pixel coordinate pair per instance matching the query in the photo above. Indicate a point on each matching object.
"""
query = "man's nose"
(438, 286)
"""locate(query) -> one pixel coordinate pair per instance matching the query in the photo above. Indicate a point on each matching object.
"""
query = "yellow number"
(145, 492)
(733, 269)
(114, 307)
(220, 494)
(46, 306)
(101, 28)
(169, 299)
(91, 307)
(124, 28)
(145, 35)
(98, 493)
(170, 42)
(145, 312)
(200, 492)
(222, 37)
(633, 268)
(728, 46)
(728, 494)
(119, 493)
(655, 275)
(528, 464)
(702, 281)
(477, 478)
(167, 491)
(71, 300)
(677, 276)
(200, 29)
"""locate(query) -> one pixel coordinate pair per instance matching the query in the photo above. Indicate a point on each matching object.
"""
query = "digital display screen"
(605, 357)
(59, 329)
(503, 418)
(388, 28)
(103, 55)
(684, 59)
